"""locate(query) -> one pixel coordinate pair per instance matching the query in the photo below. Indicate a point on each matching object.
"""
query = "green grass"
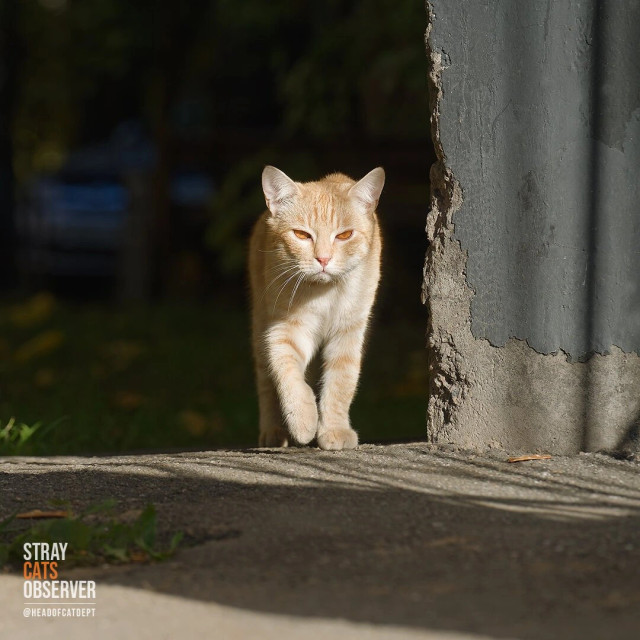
(94, 536)
(97, 379)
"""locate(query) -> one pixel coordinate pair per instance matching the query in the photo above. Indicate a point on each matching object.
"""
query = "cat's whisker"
(295, 288)
(280, 265)
(284, 270)
(282, 289)
(280, 275)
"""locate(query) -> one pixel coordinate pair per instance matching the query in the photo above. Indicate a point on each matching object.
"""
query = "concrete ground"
(397, 541)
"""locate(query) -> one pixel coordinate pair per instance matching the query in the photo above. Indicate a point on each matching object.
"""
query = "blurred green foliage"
(319, 69)
(313, 72)
(361, 73)
(167, 377)
(274, 82)
(20, 438)
(95, 535)
(73, 54)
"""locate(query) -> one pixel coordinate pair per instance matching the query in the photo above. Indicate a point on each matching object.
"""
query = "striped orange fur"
(314, 267)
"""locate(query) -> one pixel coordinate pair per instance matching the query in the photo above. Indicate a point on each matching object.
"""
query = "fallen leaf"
(532, 456)
(441, 589)
(448, 541)
(193, 422)
(454, 541)
(128, 400)
(619, 599)
(131, 515)
(138, 556)
(33, 311)
(39, 514)
(44, 378)
(40, 345)
(121, 353)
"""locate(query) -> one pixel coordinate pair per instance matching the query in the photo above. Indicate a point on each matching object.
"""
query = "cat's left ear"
(367, 190)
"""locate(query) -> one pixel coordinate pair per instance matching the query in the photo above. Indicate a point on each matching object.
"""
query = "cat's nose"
(323, 261)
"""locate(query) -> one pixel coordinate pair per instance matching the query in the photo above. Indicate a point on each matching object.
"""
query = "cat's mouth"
(321, 276)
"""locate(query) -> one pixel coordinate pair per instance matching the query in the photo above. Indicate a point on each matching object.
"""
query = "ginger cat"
(314, 266)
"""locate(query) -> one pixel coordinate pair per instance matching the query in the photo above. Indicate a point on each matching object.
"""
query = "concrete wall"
(532, 276)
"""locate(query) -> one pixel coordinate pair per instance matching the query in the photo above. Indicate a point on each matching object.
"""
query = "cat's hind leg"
(272, 431)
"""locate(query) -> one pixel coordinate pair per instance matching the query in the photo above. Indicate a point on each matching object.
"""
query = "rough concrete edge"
(448, 384)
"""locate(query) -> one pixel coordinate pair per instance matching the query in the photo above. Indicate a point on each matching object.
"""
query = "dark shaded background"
(132, 137)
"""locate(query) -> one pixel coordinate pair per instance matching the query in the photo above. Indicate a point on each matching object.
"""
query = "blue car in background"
(74, 227)
(82, 221)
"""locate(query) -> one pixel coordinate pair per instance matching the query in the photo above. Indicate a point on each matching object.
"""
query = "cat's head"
(326, 227)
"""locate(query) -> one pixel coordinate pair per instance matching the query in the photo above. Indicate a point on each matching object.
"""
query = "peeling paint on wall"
(448, 382)
(539, 120)
(493, 382)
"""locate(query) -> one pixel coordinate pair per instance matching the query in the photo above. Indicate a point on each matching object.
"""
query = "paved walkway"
(400, 541)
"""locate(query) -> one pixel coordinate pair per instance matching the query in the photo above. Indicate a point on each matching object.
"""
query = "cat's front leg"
(342, 358)
(290, 351)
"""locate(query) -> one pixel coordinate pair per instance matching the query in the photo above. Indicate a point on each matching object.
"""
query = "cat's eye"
(303, 235)
(345, 235)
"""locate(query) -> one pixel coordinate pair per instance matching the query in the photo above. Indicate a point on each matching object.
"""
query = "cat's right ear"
(279, 189)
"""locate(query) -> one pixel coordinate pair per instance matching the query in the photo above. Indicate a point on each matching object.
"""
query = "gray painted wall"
(540, 125)
(533, 261)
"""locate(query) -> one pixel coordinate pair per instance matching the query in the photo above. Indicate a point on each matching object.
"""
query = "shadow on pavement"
(402, 535)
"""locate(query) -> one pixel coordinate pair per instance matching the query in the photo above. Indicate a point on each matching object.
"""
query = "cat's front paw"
(303, 421)
(274, 437)
(336, 439)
